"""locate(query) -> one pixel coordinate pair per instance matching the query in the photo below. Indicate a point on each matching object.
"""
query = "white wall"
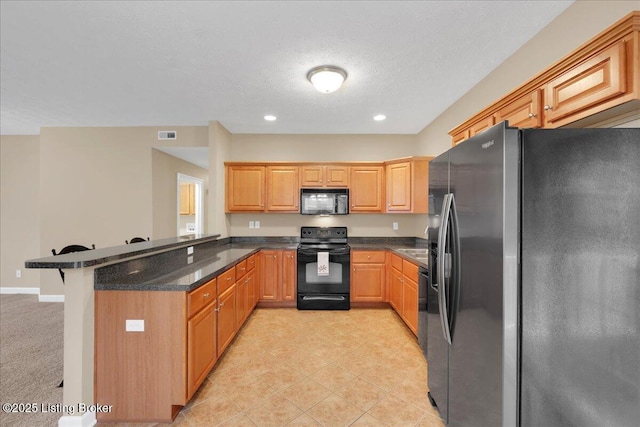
(96, 187)
(19, 218)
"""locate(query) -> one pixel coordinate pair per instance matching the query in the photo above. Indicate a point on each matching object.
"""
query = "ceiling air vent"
(167, 134)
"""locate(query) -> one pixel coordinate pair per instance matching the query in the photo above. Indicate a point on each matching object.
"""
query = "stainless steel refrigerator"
(536, 279)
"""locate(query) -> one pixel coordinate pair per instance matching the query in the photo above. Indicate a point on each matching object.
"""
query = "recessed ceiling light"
(379, 117)
(327, 78)
(270, 118)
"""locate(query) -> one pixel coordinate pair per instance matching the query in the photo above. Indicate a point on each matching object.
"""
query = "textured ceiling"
(160, 63)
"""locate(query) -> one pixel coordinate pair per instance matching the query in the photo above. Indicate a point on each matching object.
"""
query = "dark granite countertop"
(212, 263)
(210, 260)
(101, 256)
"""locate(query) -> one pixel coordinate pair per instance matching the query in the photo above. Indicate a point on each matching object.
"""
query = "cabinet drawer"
(226, 280)
(410, 270)
(241, 269)
(367, 256)
(200, 297)
(251, 262)
(396, 262)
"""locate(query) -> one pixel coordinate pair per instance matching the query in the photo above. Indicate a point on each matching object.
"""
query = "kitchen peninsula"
(127, 305)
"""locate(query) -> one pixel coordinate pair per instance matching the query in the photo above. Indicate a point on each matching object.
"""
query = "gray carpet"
(31, 357)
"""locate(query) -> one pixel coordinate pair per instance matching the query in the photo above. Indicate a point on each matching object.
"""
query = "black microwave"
(324, 201)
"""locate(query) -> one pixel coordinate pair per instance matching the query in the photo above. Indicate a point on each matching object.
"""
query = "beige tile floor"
(286, 367)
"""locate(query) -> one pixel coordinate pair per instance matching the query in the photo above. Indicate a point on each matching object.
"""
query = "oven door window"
(334, 276)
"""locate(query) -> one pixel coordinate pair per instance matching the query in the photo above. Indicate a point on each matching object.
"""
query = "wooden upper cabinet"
(524, 112)
(317, 176)
(483, 124)
(187, 199)
(590, 83)
(399, 187)
(245, 188)
(336, 176)
(460, 136)
(591, 86)
(366, 188)
(408, 185)
(282, 188)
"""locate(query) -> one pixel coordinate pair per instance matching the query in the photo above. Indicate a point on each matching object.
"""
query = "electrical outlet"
(257, 224)
(134, 325)
(190, 250)
(252, 224)
(189, 260)
(18, 273)
(395, 225)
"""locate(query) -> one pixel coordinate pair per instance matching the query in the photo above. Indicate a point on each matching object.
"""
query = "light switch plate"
(257, 224)
(252, 224)
(190, 250)
(134, 325)
(395, 225)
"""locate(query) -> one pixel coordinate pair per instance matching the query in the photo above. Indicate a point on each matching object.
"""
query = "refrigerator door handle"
(454, 294)
(442, 292)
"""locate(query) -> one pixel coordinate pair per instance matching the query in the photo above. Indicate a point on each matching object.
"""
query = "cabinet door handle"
(531, 115)
(368, 256)
(207, 295)
(547, 107)
(228, 278)
(221, 304)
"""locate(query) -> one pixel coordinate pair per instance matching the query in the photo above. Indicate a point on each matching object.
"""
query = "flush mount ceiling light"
(327, 78)
(270, 118)
(379, 117)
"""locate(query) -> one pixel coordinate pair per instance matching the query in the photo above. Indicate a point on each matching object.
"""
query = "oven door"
(323, 288)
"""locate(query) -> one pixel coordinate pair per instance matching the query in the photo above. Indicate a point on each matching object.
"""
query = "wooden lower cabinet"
(271, 275)
(368, 276)
(395, 290)
(278, 275)
(410, 304)
(409, 311)
(242, 301)
(289, 274)
(201, 351)
(403, 289)
(142, 374)
(150, 375)
(226, 318)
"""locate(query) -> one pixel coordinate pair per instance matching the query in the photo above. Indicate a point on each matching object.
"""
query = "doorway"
(190, 203)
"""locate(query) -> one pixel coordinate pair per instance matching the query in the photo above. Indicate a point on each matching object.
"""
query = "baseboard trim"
(32, 291)
(88, 419)
(11, 290)
(50, 298)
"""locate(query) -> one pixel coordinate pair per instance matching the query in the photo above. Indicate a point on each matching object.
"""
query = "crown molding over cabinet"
(597, 81)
